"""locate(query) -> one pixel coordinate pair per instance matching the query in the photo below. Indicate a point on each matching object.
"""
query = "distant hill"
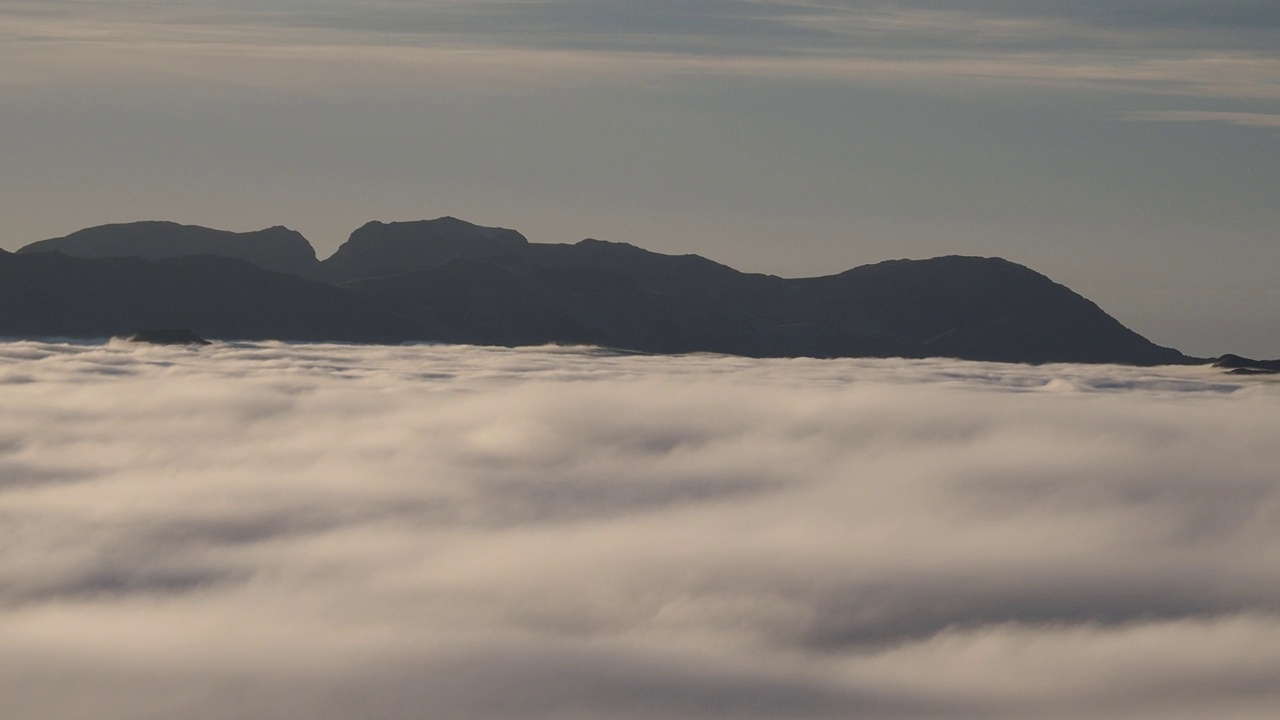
(382, 249)
(973, 308)
(44, 294)
(1238, 365)
(452, 281)
(276, 248)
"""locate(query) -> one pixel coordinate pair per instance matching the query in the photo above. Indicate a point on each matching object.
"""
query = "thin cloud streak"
(1244, 119)
(308, 47)
(342, 531)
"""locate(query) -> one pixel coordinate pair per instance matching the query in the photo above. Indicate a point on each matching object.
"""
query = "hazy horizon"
(1127, 149)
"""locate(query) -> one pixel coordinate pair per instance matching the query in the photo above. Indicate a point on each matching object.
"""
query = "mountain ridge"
(275, 248)
(450, 280)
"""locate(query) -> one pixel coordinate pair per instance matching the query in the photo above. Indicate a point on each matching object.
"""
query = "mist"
(331, 531)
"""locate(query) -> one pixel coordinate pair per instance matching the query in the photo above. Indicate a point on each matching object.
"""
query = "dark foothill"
(167, 336)
(1238, 365)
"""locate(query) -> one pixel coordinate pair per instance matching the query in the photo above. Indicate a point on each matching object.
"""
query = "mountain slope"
(51, 294)
(380, 249)
(449, 280)
(973, 308)
(276, 248)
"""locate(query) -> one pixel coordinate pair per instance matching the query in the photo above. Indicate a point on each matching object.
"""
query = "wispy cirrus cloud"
(1245, 119)
(1136, 46)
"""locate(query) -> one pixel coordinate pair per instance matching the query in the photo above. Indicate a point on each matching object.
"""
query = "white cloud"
(320, 531)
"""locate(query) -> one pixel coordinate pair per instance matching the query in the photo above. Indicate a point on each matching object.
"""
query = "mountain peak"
(378, 249)
(454, 281)
(276, 248)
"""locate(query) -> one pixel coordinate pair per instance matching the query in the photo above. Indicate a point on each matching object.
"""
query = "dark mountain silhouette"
(276, 248)
(167, 336)
(45, 294)
(448, 280)
(380, 249)
(974, 308)
(1247, 366)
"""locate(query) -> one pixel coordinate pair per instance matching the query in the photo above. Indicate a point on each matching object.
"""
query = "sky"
(1126, 148)
(328, 532)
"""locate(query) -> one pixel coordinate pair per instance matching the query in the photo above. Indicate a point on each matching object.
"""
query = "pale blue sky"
(1129, 149)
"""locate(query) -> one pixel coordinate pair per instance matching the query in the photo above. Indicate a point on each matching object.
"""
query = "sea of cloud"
(328, 531)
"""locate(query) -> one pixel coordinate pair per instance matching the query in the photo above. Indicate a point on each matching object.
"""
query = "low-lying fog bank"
(325, 531)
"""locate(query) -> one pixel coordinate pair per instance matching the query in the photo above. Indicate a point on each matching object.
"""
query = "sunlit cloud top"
(540, 533)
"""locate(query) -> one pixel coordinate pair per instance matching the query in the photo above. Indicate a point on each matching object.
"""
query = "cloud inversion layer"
(316, 531)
